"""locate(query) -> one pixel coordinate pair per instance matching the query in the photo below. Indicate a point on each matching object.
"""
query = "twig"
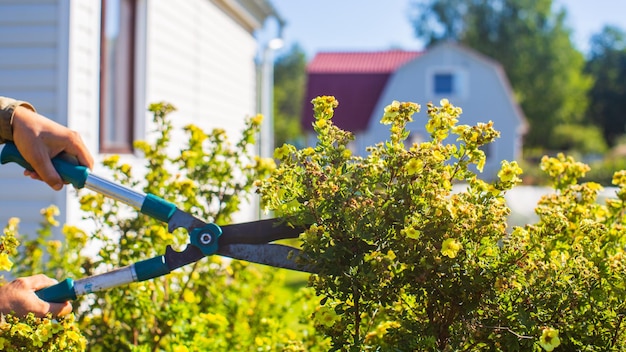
(506, 328)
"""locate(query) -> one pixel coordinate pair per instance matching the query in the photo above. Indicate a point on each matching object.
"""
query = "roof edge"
(251, 14)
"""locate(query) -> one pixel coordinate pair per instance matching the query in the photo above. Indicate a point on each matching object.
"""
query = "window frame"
(443, 83)
(124, 120)
(460, 82)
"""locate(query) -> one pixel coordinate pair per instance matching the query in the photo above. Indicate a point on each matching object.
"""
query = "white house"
(95, 66)
(365, 82)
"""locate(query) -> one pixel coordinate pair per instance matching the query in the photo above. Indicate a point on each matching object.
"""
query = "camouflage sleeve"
(7, 107)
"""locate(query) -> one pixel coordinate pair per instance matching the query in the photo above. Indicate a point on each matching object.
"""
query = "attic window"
(443, 83)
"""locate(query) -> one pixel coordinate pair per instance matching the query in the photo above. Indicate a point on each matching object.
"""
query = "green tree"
(607, 65)
(530, 39)
(289, 84)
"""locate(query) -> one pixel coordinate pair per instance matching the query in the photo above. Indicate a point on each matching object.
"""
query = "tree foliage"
(530, 39)
(607, 64)
(289, 86)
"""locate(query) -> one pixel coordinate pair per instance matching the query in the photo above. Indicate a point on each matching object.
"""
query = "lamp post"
(267, 97)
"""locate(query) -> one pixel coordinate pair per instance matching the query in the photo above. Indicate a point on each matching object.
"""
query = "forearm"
(7, 109)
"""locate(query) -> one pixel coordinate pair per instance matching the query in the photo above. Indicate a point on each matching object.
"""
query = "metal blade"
(185, 220)
(257, 232)
(275, 255)
(175, 259)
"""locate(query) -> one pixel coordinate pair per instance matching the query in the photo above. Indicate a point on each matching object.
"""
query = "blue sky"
(327, 25)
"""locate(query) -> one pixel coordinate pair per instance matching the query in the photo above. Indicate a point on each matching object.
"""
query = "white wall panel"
(83, 77)
(191, 54)
(49, 56)
(202, 62)
(29, 45)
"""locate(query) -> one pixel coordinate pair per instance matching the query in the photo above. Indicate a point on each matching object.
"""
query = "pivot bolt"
(205, 238)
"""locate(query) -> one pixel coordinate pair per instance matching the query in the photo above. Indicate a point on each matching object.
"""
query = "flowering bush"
(412, 247)
(406, 262)
(31, 333)
(212, 305)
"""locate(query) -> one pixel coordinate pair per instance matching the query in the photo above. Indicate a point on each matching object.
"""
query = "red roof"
(360, 62)
(355, 79)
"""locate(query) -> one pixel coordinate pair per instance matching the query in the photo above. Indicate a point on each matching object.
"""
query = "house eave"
(250, 14)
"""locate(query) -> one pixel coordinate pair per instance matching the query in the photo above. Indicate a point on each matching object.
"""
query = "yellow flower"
(391, 112)
(619, 178)
(5, 263)
(49, 213)
(450, 247)
(189, 296)
(481, 163)
(111, 160)
(509, 171)
(282, 152)
(125, 168)
(321, 123)
(308, 151)
(4, 343)
(261, 342)
(215, 319)
(265, 164)
(73, 335)
(4, 326)
(325, 316)
(13, 222)
(44, 332)
(549, 339)
(180, 348)
(414, 166)
(21, 329)
(411, 232)
(257, 120)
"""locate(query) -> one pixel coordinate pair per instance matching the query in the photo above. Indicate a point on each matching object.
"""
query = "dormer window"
(446, 82)
(443, 83)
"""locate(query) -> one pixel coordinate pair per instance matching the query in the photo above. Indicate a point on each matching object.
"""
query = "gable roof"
(355, 79)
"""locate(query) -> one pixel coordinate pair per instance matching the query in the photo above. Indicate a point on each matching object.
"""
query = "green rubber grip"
(151, 268)
(69, 172)
(58, 293)
(158, 208)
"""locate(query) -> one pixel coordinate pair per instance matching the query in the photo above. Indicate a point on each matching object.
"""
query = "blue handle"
(151, 268)
(58, 293)
(74, 174)
(158, 208)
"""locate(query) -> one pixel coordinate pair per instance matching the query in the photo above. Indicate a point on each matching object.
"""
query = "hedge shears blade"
(249, 241)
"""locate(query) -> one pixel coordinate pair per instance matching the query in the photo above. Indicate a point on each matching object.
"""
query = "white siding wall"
(83, 77)
(189, 54)
(202, 62)
(29, 70)
(35, 65)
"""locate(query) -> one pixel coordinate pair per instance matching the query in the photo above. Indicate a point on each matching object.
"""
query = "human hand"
(40, 139)
(18, 297)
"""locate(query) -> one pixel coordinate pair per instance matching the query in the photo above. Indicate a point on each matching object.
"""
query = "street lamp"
(266, 144)
(266, 98)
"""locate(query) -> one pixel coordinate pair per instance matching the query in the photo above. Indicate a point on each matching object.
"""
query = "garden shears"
(249, 241)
